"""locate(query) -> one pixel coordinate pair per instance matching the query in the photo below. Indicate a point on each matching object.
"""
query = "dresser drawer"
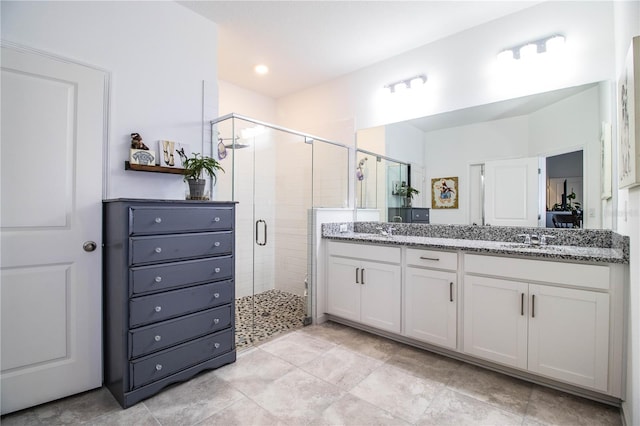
(146, 279)
(161, 306)
(152, 338)
(165, 220)
(182, 246)
(163, 364)
(419, 215)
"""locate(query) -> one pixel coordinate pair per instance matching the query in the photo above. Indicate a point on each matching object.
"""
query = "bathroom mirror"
(460, 143)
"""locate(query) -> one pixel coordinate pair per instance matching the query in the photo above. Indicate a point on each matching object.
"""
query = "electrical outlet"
(343, 227)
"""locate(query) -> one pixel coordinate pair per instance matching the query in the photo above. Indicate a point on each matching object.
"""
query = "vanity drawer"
(152, 338)
(432, 259)
(163, 364)
(364, 251)
(164, 220)
(161, 306)
(579, 275)
(182, 246)
(146, 279)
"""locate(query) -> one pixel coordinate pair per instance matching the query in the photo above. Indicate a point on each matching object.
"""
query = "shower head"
(234, 145)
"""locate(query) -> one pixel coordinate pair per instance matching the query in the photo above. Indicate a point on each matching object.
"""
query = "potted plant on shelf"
(194, 170)
(407, 192)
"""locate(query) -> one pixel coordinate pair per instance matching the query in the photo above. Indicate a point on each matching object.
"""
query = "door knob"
(89, 246)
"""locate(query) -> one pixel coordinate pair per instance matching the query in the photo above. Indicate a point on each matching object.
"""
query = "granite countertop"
(614, 250)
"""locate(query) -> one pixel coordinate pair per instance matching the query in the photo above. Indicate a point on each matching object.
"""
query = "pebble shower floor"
(275, 311)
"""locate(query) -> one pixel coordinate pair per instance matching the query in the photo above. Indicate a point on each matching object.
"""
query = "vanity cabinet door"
(380, 296)
(430, 305)
(343, 293)
(569, 335)
(495, 320)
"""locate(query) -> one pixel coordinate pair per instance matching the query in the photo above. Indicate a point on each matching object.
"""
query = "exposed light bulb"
(417, 82)
(505, 56)
(554, 44)
(528, 51)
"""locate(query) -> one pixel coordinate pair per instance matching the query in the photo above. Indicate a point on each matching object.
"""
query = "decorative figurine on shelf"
(136, 142)
(140, 153)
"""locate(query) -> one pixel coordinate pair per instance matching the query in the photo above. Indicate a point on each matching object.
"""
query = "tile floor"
(334, 375)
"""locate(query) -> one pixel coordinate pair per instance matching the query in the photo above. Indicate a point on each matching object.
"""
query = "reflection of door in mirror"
(511, 192)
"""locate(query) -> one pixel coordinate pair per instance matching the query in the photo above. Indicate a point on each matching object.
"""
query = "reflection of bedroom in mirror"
(565, 194)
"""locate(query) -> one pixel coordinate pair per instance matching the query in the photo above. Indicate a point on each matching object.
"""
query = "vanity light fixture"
(407, 83)
(530, 49)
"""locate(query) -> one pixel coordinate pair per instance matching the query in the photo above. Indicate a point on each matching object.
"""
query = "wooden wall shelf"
(154, 169)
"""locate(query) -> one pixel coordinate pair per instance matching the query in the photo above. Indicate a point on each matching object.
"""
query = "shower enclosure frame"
(306, 138)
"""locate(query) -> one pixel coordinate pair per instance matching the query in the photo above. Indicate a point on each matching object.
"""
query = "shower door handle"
(264, 242)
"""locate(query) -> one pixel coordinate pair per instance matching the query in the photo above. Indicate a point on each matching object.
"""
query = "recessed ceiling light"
(261, 69)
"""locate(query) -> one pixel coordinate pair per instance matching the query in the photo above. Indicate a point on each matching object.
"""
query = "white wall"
(450, 152)
(627, 25)
(235, 99)
(158, 54)
(461, 70)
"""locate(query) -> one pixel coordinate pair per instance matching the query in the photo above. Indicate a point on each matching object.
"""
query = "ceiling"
(306, 43)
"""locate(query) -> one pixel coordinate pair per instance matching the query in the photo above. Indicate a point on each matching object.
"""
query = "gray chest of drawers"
(168, 293)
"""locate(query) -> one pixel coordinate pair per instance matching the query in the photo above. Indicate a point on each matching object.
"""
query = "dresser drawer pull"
(216, 219)
(158, 279)
(158, 250)
(429, 258)
(158, 220)
(216, 345)
(157, 338)
(158, 367)
(216, 244)
(158, 308)
(217, 270)
(216, 320)
(216, 295)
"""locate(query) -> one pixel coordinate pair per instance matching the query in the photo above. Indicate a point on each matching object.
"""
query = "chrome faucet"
(388, 232)
(527, 238)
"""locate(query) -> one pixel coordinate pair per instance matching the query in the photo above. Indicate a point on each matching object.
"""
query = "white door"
(512, 197)
(343, 293)
(380, 296)
(495, 320)
(430, 306)
(51, 179)
(569, 335)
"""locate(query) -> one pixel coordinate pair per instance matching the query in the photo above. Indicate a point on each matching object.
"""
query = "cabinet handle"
(216, 295)
(158, 279)
(158, 308)
(157, 338)
(158, 367)
(533, 306)
(429, 258)
(216, 320)
(216, 345)
(216, 219)
(158, 250)
(158, 220)
(216, 244)
(217, 270)
(362, 276)
(451, 291)
(357, 270)
(521, 304)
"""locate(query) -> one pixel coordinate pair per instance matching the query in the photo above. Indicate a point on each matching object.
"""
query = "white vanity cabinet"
(549, 318)
(430, 297)
(364, 284)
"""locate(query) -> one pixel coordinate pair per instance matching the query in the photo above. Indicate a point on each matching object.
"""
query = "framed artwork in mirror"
(444, 193)
(605, 160)
(628, 128)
